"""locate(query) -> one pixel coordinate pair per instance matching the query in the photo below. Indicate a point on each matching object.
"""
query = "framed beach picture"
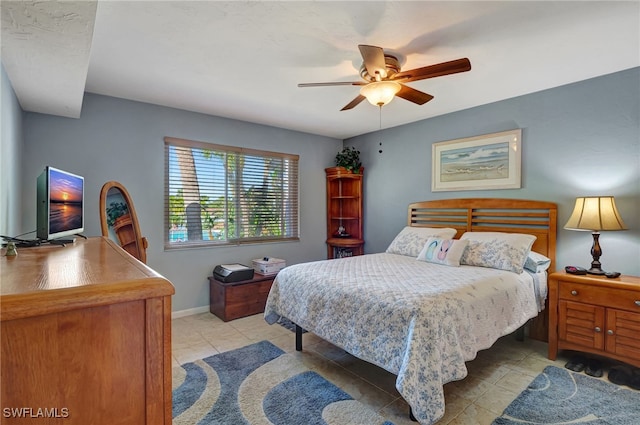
(490, 161)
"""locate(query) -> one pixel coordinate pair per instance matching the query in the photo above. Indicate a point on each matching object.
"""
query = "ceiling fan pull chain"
(380, 150)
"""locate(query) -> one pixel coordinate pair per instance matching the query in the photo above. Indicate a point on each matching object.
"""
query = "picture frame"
(486, 162)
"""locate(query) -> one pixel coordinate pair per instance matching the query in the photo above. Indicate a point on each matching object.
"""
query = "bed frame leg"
(413, 418)
(520, 334)
(298, 338)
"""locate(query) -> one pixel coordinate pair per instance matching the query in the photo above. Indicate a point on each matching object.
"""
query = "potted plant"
(349, 158)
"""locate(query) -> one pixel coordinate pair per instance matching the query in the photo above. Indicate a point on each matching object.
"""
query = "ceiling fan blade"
(373, 57)
(337, 83)
(413, 95)
(431, 71)
(354, 102)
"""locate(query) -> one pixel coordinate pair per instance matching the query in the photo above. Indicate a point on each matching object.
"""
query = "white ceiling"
(243, 60)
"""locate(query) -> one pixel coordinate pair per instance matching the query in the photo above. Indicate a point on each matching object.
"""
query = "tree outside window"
(218, 195)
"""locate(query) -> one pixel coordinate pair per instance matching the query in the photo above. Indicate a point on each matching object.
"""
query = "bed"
(422, 315)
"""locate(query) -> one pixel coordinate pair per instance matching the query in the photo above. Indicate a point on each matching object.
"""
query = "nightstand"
(596, 315)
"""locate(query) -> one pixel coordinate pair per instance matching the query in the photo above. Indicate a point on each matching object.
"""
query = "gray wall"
(10, 158)
(578, 140)
(122, 140)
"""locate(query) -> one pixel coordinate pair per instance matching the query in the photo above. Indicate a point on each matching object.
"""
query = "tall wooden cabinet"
(86, 337)
(344, 213)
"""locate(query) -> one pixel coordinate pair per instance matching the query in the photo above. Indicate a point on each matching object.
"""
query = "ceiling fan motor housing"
(392, 66)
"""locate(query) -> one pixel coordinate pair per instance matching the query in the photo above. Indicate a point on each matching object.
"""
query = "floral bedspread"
(418, 320)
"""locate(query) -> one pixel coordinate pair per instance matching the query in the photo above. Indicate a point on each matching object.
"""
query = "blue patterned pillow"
(536, 262)
(411, 240)
(443, 251)
(504, 251)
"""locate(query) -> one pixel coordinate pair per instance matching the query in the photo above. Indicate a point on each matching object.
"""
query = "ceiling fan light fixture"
(380, 93)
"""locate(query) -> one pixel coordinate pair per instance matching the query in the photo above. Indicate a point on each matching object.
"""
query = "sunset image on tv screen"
(65, 202)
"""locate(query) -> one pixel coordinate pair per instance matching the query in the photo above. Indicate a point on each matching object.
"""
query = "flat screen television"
(60, 204)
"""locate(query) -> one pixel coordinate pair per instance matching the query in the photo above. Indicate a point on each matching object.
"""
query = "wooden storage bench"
(233, 300)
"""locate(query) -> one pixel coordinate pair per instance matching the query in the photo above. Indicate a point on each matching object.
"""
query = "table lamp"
(595, 213)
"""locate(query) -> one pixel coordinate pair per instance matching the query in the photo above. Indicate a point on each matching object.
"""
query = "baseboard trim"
(189, 312)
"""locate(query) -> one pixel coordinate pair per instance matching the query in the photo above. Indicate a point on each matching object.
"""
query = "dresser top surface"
(85, 264)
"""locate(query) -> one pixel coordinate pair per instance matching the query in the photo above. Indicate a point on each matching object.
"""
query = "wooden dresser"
(86, 337)
(596, 315)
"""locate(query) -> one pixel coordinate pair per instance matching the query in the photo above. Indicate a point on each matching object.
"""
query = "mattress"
(418, 320)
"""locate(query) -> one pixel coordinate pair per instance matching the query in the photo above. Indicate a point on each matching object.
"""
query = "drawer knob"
(574, 292)
(637, 302)
(609, 332)
(597, 329)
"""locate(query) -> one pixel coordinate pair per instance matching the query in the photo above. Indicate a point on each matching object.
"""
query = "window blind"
(216, 195)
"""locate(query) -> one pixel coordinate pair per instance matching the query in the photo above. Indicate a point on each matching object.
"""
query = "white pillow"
(443, 251)
(411, 240)
(536, 262)
(504, 251)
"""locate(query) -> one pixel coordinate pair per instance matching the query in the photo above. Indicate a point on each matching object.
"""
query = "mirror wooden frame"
(132, 240)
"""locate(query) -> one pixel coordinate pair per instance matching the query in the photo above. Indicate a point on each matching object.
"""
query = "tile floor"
(496, 376)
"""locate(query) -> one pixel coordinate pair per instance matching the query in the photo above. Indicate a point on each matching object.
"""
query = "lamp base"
(596, 252)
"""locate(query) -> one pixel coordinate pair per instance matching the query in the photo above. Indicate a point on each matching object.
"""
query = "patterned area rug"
(559, 396)
(261, 384)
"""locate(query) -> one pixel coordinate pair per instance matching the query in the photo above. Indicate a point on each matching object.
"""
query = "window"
(217, 195)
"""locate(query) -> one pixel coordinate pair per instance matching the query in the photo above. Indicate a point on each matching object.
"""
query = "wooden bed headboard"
(536, 218)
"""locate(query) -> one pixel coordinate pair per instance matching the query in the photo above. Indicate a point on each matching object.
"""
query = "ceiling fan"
(383, 78)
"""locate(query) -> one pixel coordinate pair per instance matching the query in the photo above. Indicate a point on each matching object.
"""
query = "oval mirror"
(119, 221)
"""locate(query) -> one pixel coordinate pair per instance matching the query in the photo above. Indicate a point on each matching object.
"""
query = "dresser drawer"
(602, 296)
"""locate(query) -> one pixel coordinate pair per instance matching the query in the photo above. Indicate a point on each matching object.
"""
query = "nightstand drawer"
(606, 297)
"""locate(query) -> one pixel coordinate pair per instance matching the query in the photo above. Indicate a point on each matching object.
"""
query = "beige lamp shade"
(595, 214)
(380, 93)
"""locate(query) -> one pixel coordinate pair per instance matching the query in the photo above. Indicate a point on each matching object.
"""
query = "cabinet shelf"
(335, 241)
(344, 210)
